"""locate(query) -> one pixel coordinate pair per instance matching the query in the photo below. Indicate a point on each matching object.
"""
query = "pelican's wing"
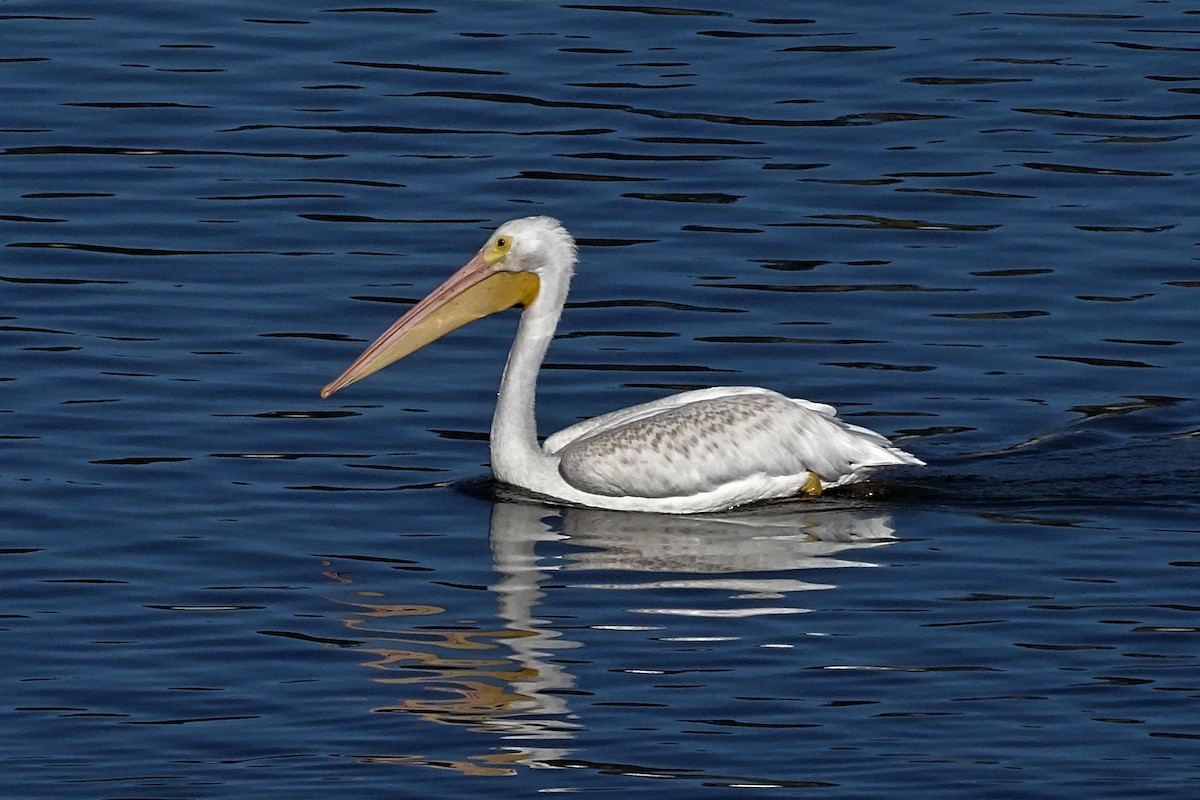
(698, 441)
(621, 416)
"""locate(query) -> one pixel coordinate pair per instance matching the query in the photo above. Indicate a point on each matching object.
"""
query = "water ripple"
(974, 232)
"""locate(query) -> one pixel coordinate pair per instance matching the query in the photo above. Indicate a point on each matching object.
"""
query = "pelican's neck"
(516, 454)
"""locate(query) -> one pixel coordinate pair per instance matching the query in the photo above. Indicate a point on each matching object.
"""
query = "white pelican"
(699, 451)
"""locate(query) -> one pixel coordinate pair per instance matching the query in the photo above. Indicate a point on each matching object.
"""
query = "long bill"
(475, 291)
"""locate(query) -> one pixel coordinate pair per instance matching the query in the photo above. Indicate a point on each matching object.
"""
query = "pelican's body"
(698, 451)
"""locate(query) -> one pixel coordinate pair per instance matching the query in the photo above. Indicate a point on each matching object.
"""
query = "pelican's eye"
(498, 248)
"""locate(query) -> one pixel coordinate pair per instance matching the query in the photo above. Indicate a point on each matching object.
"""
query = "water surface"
(971, 229)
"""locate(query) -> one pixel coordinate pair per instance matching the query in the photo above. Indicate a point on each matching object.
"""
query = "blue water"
(973, 229)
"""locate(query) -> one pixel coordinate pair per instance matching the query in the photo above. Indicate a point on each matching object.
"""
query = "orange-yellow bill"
(474, 292)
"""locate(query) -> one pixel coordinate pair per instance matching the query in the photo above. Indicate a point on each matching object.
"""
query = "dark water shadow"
(1139, 452)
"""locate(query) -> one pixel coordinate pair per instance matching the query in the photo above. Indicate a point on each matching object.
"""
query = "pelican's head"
(507, 271)
(533, 244)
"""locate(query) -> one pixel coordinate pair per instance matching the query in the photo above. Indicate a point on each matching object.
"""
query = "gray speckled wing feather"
(691, 445)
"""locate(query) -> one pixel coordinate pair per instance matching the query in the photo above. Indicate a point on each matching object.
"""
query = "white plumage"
(698, 451)
(697, 441)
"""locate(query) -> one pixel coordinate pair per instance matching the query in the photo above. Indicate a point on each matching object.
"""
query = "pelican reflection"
(515, 681)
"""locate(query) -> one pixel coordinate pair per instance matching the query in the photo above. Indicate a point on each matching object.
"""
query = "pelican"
(699, 451)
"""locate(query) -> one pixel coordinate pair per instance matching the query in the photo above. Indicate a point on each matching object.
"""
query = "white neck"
(516, 454)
